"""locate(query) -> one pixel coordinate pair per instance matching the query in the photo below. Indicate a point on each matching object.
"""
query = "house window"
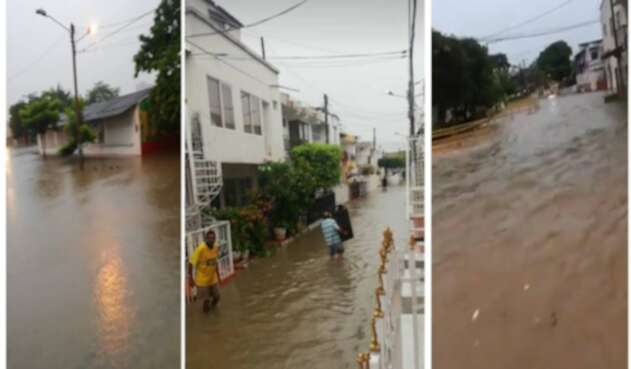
(221, 106)
(251, 107)
(228, 107)
(605, 29)
(236, 191)
(215, 102)
(594, 53)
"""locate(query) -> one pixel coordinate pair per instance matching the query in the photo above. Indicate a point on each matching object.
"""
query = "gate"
(222, 231)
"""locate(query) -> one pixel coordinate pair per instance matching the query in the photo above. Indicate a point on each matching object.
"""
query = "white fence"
(222, 231)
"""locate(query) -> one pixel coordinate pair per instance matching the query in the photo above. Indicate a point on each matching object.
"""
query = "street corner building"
(122, 128)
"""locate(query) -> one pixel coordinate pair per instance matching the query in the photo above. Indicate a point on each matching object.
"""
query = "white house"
(233, 98)
(590, 69)
(118, 124)
(303, 123)
(613, 19)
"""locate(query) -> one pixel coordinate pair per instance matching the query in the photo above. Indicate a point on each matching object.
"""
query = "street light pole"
(71, 30)
(76, 96)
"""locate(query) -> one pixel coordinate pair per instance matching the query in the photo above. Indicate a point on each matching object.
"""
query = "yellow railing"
(363, 358)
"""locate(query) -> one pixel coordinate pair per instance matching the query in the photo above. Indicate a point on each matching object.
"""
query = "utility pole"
(71, 31)
(77, 106)
(412, 10)
(263, 47)
(326, 117)
(617, 53)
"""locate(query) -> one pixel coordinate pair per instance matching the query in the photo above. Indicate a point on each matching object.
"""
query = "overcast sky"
(484, 17)
(357, 93)
(38, 50)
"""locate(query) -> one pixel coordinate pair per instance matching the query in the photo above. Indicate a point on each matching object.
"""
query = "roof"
(223, 15)
(590, 43)
(236, 42)
(115, 106)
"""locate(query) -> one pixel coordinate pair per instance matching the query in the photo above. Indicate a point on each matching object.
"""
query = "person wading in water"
(204, 260)
(331, 232)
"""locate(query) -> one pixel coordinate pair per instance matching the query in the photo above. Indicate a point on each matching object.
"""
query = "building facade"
(303, 124)
(613, 19)
(590, 68)
(119, 125)
(233, 99)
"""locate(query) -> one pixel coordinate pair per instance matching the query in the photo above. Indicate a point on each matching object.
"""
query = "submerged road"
(298, 309)
(530, 241)
(93, 262)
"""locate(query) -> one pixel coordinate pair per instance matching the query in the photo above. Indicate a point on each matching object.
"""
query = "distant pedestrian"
(331, 232)
(204, 260)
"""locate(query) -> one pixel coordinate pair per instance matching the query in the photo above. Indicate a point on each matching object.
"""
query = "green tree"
(160, 52)
(321, 162)
(392, 162)
(85, 132)
(554, 61)
(101, 92)
(64, 97)
(16, 124)
(41, 114)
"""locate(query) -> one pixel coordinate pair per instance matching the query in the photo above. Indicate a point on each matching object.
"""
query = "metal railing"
(396, 323)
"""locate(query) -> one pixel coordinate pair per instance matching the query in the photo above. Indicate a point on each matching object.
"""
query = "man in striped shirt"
(331, 232)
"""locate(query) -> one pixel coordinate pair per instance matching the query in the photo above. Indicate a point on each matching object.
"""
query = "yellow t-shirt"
(204, 259)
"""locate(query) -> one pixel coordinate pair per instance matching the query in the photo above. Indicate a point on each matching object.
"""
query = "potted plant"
(280, 231)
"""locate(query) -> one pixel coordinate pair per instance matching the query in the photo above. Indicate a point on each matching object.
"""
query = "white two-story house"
(590, 72)
(232, 101)
(303, 123)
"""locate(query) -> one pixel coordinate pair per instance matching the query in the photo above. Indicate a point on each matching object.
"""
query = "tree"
(463, 75)
(64, 97)
(41, 114)
(554, 61)
(101, 92)
(85, 131)
(17, 125)
(160, 52)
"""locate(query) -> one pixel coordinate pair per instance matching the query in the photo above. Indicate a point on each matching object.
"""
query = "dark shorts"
(337, 248)
(209, 292)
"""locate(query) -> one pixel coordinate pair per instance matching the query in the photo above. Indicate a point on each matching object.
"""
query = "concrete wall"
(342, 193)
(244, 73)
(122, 138)
(53, 139)
(611, 63)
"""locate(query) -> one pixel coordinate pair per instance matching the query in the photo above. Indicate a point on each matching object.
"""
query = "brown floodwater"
(93, 262)
(530, 241)
(298, 309)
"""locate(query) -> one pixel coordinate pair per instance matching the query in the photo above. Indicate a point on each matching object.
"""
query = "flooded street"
(298, 309)
(93, 262)
(530, 230)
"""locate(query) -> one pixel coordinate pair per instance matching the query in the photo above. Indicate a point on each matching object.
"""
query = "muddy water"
(530, 231)
(93, 262)
(298, 309)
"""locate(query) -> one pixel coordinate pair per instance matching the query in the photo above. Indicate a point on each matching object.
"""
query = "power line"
(119, 29)
(543, 33)
(37, 60)
(529, 20)
(398, 53)
(219, 59)
(256, 23)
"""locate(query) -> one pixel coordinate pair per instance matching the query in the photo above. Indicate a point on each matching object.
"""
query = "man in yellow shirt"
(204, 260)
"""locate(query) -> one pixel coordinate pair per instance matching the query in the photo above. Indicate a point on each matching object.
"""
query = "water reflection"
(93, 272)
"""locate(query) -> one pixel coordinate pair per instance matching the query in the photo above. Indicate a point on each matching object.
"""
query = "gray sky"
(483, 17)
(38, 50)
(322, 27)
